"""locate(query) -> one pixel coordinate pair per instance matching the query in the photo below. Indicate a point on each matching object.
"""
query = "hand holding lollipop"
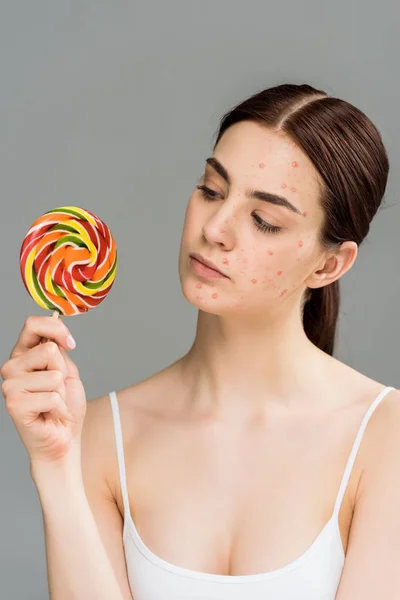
(68, 263)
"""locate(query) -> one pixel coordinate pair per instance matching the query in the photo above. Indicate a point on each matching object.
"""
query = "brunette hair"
(347, 150)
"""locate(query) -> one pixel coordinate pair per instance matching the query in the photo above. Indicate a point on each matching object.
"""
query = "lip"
(206, 262)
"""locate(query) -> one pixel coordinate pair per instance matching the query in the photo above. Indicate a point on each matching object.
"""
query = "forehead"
(246, 145)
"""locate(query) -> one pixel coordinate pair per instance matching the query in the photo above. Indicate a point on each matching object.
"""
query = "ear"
(333, 265)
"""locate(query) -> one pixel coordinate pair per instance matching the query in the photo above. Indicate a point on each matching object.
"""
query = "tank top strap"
(120, 452)
(356, 445)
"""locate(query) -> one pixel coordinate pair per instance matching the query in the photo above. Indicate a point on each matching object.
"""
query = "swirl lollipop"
(68, 260)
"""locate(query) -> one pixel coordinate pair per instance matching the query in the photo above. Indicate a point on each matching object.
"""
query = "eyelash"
(210, 195)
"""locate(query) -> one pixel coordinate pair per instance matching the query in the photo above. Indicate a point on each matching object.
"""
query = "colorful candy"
(68, 260)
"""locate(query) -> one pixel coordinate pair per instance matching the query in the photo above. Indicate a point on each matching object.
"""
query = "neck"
(242, 367)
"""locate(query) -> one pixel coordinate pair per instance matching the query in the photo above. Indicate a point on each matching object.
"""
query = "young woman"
(257, 466)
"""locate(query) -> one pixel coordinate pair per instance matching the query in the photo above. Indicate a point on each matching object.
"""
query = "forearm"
(78, 567)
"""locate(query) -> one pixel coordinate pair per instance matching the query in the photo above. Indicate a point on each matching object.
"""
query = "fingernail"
(71, 342)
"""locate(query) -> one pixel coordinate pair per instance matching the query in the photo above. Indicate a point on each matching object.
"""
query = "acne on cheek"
(300, 244)
(269, 283)
(275, 286)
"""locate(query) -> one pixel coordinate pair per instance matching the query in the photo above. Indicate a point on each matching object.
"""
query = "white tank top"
(315, 575)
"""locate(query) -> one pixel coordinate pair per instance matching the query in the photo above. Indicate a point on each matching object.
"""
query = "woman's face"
(264, 268)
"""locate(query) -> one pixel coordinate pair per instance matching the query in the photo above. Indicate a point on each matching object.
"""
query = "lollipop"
(68, 260)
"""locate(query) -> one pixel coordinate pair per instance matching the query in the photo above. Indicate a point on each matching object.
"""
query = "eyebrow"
(258, 194)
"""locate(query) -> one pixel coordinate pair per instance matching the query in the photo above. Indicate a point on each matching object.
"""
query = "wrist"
(65, 470)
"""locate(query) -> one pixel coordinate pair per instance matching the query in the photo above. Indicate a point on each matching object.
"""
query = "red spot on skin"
(295, 163)
(225, 261)
(300, 244)
(222, 230)
(199, 285)
(279, 272)
(282, 293)
(283, 185)
(305, 213)
(245, 260)
(215, 295)
(254, 281)
(293, 189)
(297, 259)
(261, 165)
(270, 252)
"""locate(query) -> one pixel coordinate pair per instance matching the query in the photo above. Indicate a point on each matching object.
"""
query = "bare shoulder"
(373, 541)
(382, 435)
(135, 403)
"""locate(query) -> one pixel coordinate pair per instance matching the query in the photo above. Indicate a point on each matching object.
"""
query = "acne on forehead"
(295, 165)
(291, 164)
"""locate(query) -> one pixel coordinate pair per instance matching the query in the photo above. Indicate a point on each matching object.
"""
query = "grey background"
(112, 106)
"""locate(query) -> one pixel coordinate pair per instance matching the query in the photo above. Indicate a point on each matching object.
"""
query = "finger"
(72, 369)
(36, 328)
(45, 356)
(39, 381)
(50, 403)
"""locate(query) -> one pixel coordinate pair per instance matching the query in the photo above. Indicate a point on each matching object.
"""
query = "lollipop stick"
(55, 315)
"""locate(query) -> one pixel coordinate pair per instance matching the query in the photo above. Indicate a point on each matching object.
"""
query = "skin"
(250, 352)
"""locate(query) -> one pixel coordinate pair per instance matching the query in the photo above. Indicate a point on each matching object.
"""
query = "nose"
(219, 228)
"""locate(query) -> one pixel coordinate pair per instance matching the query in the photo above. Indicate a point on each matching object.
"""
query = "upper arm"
(372, 565)
(96, 440)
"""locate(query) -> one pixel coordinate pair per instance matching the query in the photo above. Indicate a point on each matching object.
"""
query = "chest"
(233, 500)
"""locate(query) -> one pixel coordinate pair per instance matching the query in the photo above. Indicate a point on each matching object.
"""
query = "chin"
(202, 298)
